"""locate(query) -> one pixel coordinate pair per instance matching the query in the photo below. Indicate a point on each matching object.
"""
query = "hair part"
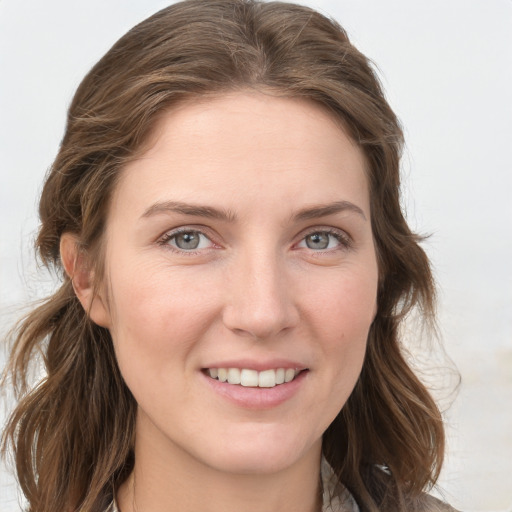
(72, 434)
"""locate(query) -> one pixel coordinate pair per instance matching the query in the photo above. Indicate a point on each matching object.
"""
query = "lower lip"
(254, 397)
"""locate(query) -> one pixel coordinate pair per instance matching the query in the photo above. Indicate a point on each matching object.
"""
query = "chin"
(243, 463)
(266, 452)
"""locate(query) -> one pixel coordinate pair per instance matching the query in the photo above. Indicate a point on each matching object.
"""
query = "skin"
(253, 289)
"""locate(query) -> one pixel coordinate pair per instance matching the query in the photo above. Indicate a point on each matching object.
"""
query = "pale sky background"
(447, 68)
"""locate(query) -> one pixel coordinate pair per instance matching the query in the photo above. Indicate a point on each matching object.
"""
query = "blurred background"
(447, 69)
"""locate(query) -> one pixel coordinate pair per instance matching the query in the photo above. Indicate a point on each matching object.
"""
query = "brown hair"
(72, 434)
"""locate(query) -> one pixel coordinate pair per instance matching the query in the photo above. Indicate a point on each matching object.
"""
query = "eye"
(186, 240)
(324, 240)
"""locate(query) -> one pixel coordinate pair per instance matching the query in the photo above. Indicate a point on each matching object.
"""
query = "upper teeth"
(253, 378)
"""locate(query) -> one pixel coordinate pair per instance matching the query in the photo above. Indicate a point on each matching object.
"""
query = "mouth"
(252, 378)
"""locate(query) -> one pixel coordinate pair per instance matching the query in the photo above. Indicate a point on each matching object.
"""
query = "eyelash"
(343, 238)
(167, 237)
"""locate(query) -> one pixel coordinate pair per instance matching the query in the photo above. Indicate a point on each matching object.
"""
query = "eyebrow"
(210, 212)
(325, 210)
(189, 209)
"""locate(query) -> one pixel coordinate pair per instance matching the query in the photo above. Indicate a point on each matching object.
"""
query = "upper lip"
(251, 364)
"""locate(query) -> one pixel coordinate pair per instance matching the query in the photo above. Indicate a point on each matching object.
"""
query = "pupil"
(317, 241)
(187, 240)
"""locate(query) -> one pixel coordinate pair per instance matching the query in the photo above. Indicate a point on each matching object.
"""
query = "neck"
(170, 480)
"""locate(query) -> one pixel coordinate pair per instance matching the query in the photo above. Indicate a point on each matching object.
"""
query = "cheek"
(157, 318)
(341, 313)
(345, 303)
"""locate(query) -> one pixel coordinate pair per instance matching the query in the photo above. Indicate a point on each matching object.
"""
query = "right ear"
(78, 269)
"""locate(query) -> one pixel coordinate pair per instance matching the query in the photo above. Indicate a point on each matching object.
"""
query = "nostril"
(259, 325)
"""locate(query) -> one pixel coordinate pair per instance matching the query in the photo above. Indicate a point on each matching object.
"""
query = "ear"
(79, 271)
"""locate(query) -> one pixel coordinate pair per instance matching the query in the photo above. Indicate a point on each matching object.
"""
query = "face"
(239, 247)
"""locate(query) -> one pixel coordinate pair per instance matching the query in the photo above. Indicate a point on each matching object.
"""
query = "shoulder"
(428, 503)
(112, 507)
(337, 498)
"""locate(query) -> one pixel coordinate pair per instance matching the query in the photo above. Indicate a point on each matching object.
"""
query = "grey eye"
(188, 240)
(318, 240)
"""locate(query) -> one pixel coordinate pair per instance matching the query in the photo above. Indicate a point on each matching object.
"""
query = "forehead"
(247, 144)
(249, 114)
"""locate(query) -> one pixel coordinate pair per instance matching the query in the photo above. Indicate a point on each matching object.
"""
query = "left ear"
(77, 267)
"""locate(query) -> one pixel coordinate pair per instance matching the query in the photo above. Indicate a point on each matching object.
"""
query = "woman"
(225, 211)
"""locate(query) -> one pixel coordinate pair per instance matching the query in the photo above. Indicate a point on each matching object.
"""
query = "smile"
(253, 378)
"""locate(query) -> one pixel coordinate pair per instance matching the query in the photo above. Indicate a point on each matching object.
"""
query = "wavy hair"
(72, 433)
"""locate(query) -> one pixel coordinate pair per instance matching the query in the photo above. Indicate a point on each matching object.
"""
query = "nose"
(260, 301)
